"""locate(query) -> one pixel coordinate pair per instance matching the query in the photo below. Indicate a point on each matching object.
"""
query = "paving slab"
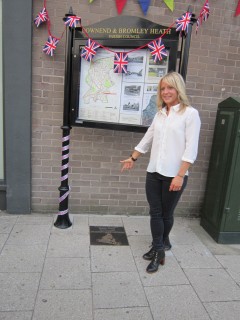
(195, 256)
(183, 235)
(139, 244)
(123, 314)
(213, 284)
(18, 291)
(231, 263)
(67, 244)
(35, 220)
(66, 273)
(107, 221)
(175, 302)
(182, 222)
(3, 239)
(112, 258)
(18, 315)
(210, 243)
(168, 274)
(7, 223)
(63, 304)
(23, 235)
(80, 224)
(22, 259)
(136, 225)
(117, 290)
(223, 310)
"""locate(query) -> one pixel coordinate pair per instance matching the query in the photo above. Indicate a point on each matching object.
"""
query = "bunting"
(120, 62)
(120, 5)
(71, 21)
(205, 11)
(50, 45)
(204, 14)
(170, 4)
(41, 17)
(144, 5)
(182, 23)
(197, 24)
(89, 51)
(237, 13)
(157, 49)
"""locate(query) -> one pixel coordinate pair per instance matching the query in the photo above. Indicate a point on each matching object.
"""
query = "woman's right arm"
(129, 162)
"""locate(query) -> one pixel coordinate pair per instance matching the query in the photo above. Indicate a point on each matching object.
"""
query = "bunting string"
(134, 49)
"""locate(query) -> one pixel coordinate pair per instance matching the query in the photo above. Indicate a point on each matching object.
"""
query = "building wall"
(97, 186)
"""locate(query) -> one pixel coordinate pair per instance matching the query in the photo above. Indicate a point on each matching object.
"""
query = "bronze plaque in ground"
(105, 236)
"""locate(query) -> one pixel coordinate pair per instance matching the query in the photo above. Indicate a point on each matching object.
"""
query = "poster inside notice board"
(120, 98)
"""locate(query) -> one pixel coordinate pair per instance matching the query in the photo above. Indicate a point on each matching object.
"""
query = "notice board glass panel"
(122, 98)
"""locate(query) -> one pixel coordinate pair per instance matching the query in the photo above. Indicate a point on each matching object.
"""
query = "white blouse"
(173, 138)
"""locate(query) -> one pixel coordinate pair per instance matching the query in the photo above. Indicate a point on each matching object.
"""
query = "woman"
(173, 139)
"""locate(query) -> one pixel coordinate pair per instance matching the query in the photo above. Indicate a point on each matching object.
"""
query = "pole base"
(63, 222)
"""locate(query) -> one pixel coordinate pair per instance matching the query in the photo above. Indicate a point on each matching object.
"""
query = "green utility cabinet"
(221, 207)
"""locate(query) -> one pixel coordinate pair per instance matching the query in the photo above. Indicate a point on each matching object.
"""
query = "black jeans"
(162, 203)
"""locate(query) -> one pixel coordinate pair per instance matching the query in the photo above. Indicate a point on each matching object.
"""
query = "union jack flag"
(204, 14)
(198, 24)
(71, 21)
(205, 11)
(183, 22)
(120, 62)
(41, 17)
(89, 51)
(50, 45)
(157, 49)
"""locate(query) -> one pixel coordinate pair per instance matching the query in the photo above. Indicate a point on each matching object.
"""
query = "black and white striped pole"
(63, 221)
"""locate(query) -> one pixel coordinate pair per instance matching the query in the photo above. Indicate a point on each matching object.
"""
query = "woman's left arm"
(192, 132)
(177, 181)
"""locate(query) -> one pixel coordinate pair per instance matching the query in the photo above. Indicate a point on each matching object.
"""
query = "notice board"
(123, 101)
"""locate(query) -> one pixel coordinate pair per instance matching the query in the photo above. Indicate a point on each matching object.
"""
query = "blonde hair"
(176, 81)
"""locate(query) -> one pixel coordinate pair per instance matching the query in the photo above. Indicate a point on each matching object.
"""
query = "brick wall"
(94, 175)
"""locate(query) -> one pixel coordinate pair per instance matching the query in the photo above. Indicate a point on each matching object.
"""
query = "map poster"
(119, 98)
(149, 103)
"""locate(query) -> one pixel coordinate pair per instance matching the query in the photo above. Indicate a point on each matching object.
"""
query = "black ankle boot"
(149, 255)
(167, 244)
(158, 258)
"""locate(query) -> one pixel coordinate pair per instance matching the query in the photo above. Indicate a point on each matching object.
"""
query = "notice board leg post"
(63, 220)
(185, 47)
